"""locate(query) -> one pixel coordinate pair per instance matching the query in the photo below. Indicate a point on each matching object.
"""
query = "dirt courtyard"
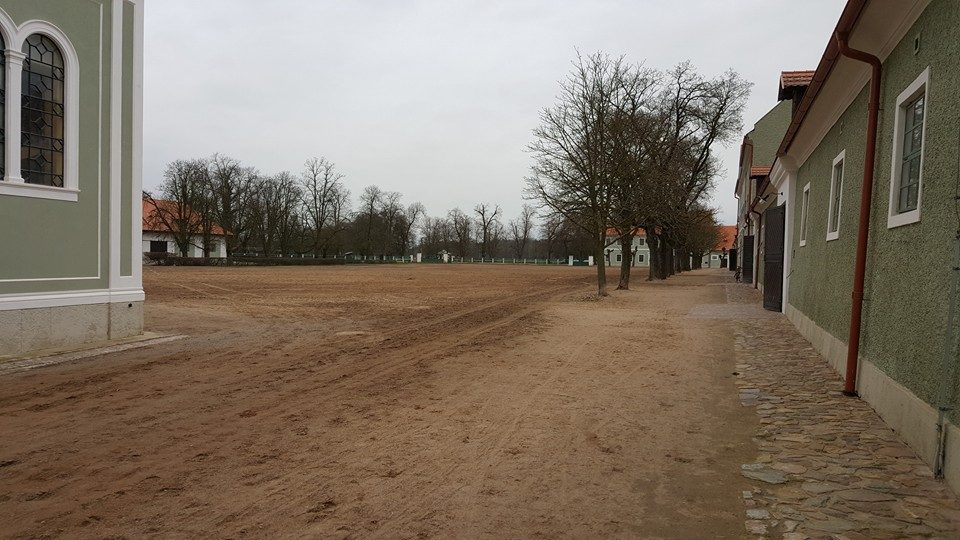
(389, 401)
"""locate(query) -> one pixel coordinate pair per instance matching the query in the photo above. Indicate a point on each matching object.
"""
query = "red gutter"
(866, 197)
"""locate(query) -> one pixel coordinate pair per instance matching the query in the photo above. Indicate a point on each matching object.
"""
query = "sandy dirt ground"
(385, 402)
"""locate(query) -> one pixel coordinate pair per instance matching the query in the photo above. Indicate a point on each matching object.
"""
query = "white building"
(639, 250)
(159, 220)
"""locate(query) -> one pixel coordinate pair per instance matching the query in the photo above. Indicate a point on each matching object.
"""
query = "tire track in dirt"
(426, 352)
(486, 455)
(394, 339)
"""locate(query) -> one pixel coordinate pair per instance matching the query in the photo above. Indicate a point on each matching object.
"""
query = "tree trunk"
(601, 267)
(626, 259)
(666, 259)
(653, 242)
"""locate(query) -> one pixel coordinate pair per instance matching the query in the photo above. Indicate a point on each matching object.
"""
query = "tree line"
(313, 214)
(631, 148)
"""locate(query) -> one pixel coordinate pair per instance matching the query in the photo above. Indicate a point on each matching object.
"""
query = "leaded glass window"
(910, 162)
(42, 117)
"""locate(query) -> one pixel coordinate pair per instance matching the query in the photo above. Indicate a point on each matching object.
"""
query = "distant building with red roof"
(162, 220)
(718, 257)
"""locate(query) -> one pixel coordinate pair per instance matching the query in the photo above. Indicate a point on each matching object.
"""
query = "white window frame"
(918, 86)
(13, 184)
(619, 257)
(804, 214)
(835, 184)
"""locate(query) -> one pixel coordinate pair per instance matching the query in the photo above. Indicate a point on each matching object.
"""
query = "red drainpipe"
(866, 196)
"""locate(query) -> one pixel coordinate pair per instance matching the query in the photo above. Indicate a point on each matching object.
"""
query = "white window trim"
(921, 84)
(804, 214)
(13, 184)
(834, 184)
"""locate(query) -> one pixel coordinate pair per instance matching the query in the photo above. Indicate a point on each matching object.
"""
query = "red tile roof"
(848, 19)
(796, 78)
(759, 171)
(728, 234)
(611, 232)
(153, 223)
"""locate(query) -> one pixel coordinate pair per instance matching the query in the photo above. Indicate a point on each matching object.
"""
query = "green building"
(753, 190)
(70, 180)
(906, 366)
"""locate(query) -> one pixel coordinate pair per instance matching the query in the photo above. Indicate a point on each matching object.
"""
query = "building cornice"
(875, 26)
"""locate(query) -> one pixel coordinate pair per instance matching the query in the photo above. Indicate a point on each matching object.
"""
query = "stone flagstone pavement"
(829, 467)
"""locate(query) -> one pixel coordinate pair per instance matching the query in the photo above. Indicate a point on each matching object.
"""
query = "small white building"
(719, 256)
(158, 236)
(639, 250)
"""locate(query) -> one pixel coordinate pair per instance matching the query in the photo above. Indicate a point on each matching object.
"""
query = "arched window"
(42, 118)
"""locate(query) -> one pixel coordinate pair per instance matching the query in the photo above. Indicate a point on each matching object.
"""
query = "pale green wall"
(766, 136)
(768, 132)
(908, 267)
(58, 239)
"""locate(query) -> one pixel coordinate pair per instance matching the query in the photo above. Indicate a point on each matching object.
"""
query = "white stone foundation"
(913, 419)
(26, 330)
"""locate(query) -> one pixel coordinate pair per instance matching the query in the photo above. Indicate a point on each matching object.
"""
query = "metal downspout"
(946, 370)
(866, 197)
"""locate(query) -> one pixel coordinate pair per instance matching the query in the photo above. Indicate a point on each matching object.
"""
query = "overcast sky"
(434, 99)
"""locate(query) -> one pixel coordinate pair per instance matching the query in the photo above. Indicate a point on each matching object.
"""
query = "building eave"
(874, 26)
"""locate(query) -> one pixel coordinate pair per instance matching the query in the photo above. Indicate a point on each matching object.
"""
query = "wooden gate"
(773, 221)
(746, 270)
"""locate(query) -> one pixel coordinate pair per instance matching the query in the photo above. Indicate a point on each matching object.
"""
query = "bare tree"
(573, 173)
(550, 232)
(461, 226)
(633, 130)
(319, 184)
(436, 235)
(487, 220)
(391, 213)
(370, 201)
(182, 191)
(231, 186)
(694, 114)
(406, 225)
(520, 229)
(700, 232)
(277, 221)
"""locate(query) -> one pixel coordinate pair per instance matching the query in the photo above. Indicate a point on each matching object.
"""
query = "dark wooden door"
(732, 257)
(773, 220)
(746, 271)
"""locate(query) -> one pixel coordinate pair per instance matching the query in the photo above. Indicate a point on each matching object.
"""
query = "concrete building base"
(26, 330)
(913, 419)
